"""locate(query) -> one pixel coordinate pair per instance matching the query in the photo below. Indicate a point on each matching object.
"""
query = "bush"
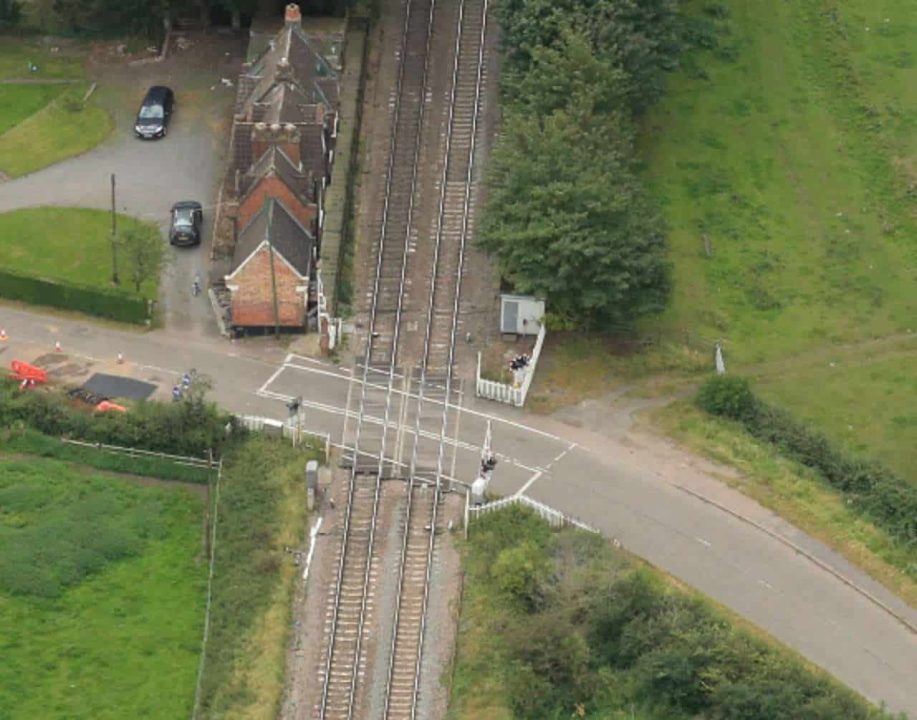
(728, 396)
(872, 489)
(184, 428)
(108, 303)
(612, 638)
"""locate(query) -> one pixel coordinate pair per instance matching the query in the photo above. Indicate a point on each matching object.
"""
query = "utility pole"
(114, 235)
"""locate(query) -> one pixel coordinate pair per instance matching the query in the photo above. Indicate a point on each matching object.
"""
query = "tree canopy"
(568, 217)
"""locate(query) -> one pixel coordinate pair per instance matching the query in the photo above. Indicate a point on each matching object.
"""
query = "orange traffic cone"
(3, 335)
(57, 346)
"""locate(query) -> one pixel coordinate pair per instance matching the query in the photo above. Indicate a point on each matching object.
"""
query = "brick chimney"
(292, 16)
(285, 136)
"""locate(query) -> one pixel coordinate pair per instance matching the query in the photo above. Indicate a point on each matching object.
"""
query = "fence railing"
(516, 393)
(293, 432)
(554, 518)
(205, 463)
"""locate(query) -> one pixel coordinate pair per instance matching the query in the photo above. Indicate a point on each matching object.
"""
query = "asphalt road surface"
(658, 501)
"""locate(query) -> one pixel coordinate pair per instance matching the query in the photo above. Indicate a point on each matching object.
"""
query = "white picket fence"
(280, 429)
(510, 394)
(554, 518)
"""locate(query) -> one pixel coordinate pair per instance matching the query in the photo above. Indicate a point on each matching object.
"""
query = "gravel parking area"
(151, 175)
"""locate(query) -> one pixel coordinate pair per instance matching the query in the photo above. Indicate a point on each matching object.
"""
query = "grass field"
(101, 594)
(17, 102)
(70, 244)
(61, 129)
(17, 53)
(261, 512)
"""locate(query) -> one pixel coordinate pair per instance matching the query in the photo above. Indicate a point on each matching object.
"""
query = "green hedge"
(559, 625)
(26, 441)
(120, 305)
(183, 428)
(872, 489)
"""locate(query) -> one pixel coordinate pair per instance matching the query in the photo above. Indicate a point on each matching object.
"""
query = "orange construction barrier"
(106, 406)
(24, 371)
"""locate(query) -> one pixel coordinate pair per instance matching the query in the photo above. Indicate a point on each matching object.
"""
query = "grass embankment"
(101, 594)
(261, 511)
(66, 244)
(560, 625)
(791, 149)
(51, 120)
(788, 152)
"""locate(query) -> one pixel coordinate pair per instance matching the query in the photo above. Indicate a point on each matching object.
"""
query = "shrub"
(184, 428)
(102, 302)
(870, 488)
(728, 396)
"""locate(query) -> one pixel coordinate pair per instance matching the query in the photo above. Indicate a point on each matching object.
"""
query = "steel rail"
(426, 347)
(367, 362)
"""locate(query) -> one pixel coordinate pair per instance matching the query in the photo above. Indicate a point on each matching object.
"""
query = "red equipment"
(29, 373)
(106, 406)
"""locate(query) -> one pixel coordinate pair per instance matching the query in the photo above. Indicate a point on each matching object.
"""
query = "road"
(658, 501)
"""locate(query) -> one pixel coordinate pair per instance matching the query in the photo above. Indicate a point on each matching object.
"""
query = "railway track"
(453, 227)
(351, 604)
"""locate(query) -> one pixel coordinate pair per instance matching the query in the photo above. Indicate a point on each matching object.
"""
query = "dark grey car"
(155, 112)
(185, 227)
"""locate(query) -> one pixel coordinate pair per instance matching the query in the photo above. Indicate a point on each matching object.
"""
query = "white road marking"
(766, 584)
(528, 484)
(702, 541)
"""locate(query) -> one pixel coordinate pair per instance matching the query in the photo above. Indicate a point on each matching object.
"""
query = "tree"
(143, 253)
(569, 220)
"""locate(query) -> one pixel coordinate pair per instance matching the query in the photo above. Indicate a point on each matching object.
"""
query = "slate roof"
(275, 160)
(288, 238)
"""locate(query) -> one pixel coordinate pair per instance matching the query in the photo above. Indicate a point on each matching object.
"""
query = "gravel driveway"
(151, 175)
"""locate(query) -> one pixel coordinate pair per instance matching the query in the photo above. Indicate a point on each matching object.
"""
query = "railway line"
(353, 611)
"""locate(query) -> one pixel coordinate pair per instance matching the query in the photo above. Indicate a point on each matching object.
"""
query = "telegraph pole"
(114, 235)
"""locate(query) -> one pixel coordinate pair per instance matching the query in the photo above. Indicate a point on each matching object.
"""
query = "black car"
(185, 228)
(155, 112)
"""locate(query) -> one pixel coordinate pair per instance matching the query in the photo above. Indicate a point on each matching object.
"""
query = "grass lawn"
(261, 511)
(101, 594)
(62, 129)
(16, 53)
(69, 244)
(17, 102)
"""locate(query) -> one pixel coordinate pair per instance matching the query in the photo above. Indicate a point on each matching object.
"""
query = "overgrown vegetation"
(261, 512)
(561, 625)
(568, 217)
(190, 427)
(101, 594)
(24, 441)
(871, 489)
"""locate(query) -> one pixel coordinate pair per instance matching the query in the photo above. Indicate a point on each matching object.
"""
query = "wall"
(253, 303)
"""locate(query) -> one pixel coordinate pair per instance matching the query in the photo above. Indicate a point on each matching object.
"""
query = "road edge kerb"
(804, 553)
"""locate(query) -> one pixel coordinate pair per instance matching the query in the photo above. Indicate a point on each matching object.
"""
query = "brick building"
(281, 153)
(271, 268)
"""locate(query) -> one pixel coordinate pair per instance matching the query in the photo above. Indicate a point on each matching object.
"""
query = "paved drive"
(639, 489)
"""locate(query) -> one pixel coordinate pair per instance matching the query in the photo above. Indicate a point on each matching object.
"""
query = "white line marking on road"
(528, 484)
(766, 584)
(702, 541)
(486, 416)
(270, 380)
